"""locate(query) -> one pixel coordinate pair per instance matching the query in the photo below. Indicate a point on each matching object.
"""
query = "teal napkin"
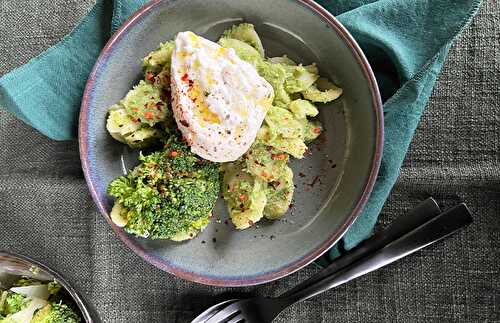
(406, 42)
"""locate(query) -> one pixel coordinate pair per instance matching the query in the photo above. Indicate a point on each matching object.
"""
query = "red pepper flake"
(159, 105)
(291, 205)
(264, 174)
(185, 124)
(278, 156)
(315, 180)
(184, 77)
(150, 77)
(174, 153)
(250, 222)
(135, 109)
(322, 140)
(317, 130)
(243, 197)
(191, 82)
(149, 115)
(226, 222)
(136, 119)
(302, 174)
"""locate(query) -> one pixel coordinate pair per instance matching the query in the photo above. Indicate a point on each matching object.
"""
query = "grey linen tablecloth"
(46, 211)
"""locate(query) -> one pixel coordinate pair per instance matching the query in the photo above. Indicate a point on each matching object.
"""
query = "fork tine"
(225, 313)
(237, 319)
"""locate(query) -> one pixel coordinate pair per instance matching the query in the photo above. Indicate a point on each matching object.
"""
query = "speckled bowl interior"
(332, 184)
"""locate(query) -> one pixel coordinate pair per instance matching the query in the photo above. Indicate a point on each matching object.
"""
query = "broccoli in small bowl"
(32, 293)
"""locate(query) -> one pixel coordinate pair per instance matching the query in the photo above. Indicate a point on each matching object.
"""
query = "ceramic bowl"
(13, 265)
(333, 183)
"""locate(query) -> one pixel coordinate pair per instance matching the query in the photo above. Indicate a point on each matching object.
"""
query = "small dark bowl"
(15, 264)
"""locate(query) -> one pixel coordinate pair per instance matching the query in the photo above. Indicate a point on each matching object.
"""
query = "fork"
(420, 214)
(265, 310)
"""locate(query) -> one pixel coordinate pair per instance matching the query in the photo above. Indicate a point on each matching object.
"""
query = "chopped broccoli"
(144, 103)
(244, 194)
(323, 91)
(283, 122)
(283, 131)
(56, 313)
(276, 75)
(167, 193)
(265, 162)
(125, 129)
(293, 146)
(302, 78)
(12, 302)
(283, 60)
(242, 49)
(246, 33)
(312, 130)
(159, 59)
(26, 281)
(303, 108)
(6, 319)
(54, 287)
(279, 195)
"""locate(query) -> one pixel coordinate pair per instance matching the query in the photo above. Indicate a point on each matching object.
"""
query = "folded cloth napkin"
(406, 42)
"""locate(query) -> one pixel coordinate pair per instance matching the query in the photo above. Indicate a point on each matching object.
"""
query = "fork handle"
(434, 230)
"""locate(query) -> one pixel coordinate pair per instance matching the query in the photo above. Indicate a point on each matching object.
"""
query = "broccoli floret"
(11, 302)
(56, 313)
(168, 193)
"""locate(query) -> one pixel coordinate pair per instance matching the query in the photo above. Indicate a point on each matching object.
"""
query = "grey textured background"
(46, 211)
